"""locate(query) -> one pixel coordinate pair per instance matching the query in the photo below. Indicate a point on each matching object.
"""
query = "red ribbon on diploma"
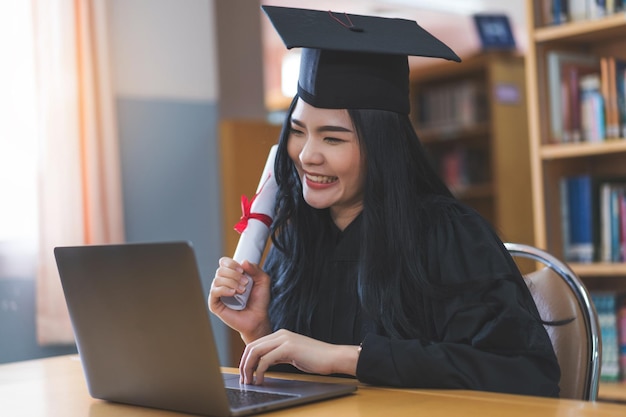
(246, 215)
(246, 207)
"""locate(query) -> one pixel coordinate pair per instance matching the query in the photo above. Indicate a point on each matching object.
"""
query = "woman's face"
(324, 146)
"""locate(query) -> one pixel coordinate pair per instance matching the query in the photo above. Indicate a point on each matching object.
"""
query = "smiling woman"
(375, 270)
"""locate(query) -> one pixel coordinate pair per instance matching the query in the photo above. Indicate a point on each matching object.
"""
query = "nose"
(310, 154)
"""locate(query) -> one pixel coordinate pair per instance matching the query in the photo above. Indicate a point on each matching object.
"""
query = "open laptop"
(144, 336)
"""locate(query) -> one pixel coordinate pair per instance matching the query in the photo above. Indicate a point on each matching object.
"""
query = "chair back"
(561, 296)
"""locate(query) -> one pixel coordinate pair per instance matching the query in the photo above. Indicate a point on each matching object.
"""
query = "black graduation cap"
(354, 61)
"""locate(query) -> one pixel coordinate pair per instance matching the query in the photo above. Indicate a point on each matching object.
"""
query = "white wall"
(164, 49)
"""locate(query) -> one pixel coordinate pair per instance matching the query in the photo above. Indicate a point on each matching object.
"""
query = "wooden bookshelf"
(498, 131)
(581, 150)
(550, 162)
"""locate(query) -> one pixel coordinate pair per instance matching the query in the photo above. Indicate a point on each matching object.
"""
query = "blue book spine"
(565, 217)
(573, 223)
(614, 213)
(586, 232)
(556, 12)
(580, 219)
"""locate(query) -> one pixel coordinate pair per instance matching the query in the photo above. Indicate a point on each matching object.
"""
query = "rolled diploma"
(254, 238)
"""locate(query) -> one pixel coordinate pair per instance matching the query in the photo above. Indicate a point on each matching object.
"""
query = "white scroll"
(254, 227)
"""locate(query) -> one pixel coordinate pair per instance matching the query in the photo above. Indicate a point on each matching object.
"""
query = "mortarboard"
(354, 61)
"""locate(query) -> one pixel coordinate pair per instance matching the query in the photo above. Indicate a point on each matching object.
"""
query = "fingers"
(260, 355)
(251, 363)
(253, 271)
(257, 274)
(229, 279)
(229, 264)
(306, 354)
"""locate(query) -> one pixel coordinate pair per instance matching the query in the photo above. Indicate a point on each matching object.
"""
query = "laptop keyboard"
(243, 398)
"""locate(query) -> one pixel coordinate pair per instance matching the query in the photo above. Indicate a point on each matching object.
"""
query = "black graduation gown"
(484, 338)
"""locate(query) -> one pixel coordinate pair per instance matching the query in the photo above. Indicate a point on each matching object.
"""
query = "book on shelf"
(613, 72)
(577, 218)
(610, 219)
(577, 10)
(609, 94)
(612, 210)
(556, 12)
(462, 166)
(622, 224)
(565, 70)
(592, 109)
(559, 12)
(620, 95)
(611, 306)
(613, 86)
(587, 97)
(453, 104)
(452, 166)
(621, 333)
(599, 8)
(593, 218)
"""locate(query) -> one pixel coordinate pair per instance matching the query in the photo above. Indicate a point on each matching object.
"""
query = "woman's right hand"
(230, 279)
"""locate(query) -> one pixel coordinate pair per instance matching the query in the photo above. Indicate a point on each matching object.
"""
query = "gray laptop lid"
(143, 331)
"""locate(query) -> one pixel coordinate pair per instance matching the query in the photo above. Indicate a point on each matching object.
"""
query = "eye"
(333, 140)
(295, 131)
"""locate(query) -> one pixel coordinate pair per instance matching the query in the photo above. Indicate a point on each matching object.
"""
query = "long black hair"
(398, 177)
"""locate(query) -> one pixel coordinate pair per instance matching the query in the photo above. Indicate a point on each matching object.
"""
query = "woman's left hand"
(307, 354)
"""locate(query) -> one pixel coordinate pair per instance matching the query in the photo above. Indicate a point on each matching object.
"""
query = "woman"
(376, 271)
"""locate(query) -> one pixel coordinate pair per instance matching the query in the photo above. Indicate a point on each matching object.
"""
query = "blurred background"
(110, 122)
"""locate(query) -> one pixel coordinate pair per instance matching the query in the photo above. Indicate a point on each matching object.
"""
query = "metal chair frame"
(589, 314)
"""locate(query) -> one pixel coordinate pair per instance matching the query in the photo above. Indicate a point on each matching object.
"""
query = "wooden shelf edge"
(599, 269)
(575, 150)
(576, 30)
(427, 70)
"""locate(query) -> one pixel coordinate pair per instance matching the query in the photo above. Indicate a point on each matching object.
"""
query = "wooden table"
(55, 387)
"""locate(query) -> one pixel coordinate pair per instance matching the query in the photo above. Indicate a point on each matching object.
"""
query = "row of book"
(452, 105)
(593, 218)
(611, 309)
(462, 166)
(587, 97)
(556, 12)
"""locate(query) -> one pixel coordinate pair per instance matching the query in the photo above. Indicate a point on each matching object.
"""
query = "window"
(18, 142)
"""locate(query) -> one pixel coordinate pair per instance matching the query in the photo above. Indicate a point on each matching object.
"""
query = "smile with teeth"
(321, 179)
